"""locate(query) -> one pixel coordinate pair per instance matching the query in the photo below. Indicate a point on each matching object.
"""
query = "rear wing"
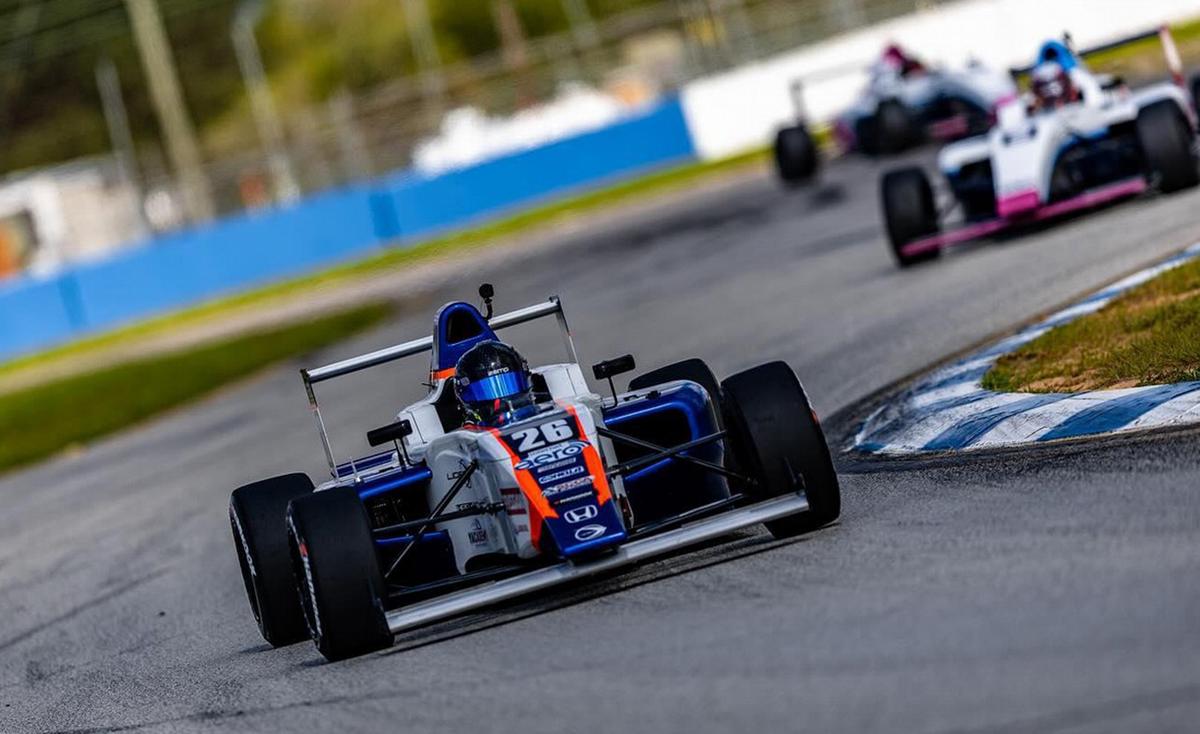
(552, 307)
(1163, 33)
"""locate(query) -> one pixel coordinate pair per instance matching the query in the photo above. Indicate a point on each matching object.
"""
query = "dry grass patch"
(1148, 336)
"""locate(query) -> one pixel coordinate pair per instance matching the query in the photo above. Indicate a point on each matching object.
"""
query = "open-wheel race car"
(505, 480)
(904, 103)
(1078, 140)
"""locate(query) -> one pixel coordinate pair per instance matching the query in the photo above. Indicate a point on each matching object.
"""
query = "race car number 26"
(549, 432)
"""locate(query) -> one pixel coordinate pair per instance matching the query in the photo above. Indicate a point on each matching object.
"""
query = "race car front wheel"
(1168, 142)
(909, 212)
(337, 570)
(1194, 86)
(257, 513)
(795, 155)
(779, 444)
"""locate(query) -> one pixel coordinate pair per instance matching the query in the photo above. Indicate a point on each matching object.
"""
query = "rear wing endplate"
(1163, 33)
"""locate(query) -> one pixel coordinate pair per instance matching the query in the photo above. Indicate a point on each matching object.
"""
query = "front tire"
(779, 443)
(795, 155)
(257, 514)
(1194, 86)
(341, 585)
(1168, 144)
(909, 212)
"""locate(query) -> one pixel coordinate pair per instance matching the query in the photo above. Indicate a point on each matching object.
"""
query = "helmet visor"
(494, 387)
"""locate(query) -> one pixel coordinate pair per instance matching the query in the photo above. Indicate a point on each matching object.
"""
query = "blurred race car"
(1075, 141)
(904, 103)
(505, 481)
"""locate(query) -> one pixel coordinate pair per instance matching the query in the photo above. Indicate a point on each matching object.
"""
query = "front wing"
(633, 552)
(978, 230)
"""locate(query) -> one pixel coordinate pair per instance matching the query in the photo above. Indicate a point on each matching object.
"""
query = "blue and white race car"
(505, 480)
(904, 103)
(1077, 140)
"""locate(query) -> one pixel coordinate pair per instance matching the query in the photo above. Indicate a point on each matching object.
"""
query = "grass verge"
(1147, 336)
(45, 419)
(455, 243)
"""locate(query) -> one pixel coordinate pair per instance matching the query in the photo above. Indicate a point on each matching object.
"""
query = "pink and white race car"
(1075, 141)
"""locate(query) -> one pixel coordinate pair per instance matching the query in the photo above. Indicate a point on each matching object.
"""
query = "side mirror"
(487, 292)
(610, 368)
(389, 433)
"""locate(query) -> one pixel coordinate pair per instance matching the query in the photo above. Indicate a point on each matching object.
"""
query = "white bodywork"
(1024, 146)
(979, 84)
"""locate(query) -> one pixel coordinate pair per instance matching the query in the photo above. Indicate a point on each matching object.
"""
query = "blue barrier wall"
(234, 253)
(38, 312)
(237, 252)
(425, 205)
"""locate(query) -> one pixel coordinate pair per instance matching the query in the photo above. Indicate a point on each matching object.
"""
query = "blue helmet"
(492, 381)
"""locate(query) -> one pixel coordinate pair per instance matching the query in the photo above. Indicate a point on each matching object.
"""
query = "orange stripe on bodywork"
(539, 506)
(591, 457)
(445, 374)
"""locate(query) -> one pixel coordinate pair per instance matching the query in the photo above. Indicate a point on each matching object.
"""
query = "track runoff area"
(1046, 588)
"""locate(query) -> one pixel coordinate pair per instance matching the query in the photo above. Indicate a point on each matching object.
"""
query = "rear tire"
(909, 212)
(695, 370)
(1168, 143)
(895, 127)
(337, 570)
(1194, 86)
(775, 435)
(795, 155)
(258, 516)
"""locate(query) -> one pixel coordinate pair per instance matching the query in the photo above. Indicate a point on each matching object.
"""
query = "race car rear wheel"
(341, 584)
(257, 514)
(779, 443)
(795, 154)
(694, 369)
(1168, 143)
(895, 128)
(909, 212)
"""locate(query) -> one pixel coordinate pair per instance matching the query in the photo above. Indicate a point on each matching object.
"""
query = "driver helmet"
(895, 59)
(1052, 85)
(492, 381)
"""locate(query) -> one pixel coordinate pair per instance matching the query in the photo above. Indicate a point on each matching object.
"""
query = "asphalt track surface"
(1048, 590)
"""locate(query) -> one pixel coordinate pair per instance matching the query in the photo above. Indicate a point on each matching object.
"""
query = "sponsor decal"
(477, 535)
(550, 454)
(580, 514)
(590, 532)
(580, 496)
(512, 498)
(462, 469)
(567, 486)
(542, 468)
(553, 477)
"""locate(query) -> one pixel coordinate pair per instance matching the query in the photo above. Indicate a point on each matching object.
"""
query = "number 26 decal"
(554, 431)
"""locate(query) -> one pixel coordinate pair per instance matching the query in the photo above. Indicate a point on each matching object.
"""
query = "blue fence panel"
(427, 204)
(190, 266)
(34, 313)
(177, 269)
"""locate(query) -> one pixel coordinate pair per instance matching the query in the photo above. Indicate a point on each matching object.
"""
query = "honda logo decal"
(579, 514)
